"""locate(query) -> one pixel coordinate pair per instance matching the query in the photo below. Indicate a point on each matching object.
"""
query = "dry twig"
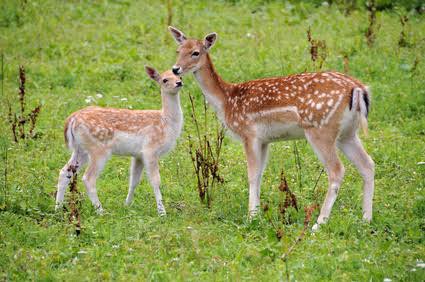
(205, 156)
(290, 199)
(346, 64)
(74, 216)
(308, 213)
(371, 30)
(169, 12)
(403, 42)
(18, 121)
(318, 50)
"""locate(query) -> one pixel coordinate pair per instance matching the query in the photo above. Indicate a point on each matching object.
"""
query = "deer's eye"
(165, 80)
(195, 54)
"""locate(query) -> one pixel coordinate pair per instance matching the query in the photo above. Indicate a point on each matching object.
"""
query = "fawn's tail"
(360, 101)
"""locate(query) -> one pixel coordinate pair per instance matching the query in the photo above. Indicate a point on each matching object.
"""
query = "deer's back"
(313, 97)
(121, 130)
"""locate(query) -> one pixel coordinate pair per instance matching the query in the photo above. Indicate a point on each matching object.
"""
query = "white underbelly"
(279, 131)
(128, 144)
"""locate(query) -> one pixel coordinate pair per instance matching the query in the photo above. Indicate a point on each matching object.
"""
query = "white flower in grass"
(289, 6)
(89, 99)
(124, 99)
(387, 280)
(130, 107)
(99, 95)
(420, 264)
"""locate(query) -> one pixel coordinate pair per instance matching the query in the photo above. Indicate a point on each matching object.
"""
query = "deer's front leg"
(256, 155)
(152, 171)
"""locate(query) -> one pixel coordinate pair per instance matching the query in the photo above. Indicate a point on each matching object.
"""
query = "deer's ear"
(179, 36)
(153, 74)
(209, 40)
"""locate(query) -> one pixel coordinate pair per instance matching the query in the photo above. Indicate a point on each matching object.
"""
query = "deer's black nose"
(176, 70)
(179, 83)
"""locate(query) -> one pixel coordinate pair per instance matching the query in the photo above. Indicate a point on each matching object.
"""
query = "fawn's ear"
(153, 74)
(209, 40)
(179, 36)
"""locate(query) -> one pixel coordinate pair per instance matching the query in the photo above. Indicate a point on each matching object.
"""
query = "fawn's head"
(169, 82)
(192, 53)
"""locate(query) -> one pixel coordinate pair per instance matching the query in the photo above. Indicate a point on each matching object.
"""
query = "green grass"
(75, 49)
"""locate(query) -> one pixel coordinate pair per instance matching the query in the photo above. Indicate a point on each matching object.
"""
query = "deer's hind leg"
(352, 148)
(136, 169)
(78, 160)
(151, 162)
(97, 161)
(324, 145)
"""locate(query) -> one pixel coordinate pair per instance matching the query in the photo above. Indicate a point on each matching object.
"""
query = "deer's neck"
(214, 88)
(171, 109)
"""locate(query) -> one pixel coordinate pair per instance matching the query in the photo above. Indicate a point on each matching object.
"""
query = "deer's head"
(191, 53)
(168, 81)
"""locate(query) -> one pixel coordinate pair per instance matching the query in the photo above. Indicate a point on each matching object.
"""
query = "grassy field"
(75, 49)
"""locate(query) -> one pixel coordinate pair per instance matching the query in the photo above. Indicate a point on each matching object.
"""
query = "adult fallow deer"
(326, 108)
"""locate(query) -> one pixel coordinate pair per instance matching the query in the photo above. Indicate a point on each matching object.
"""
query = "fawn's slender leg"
(78, 159)
(264, 156)
(353, 149)
(152, 171)
(256, 155)
(325, 148)
(136, 169)
(95, 167)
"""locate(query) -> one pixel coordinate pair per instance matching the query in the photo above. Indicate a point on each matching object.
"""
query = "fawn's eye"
(165, 80)
(195, 54)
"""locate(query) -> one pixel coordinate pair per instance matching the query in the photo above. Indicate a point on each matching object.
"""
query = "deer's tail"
(360, 102)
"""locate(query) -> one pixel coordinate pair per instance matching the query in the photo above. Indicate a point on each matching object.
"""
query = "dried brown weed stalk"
(403, 42)
(371, 30)
(290, 199)
(308, 214)
(20, 119)
(205, 156)
(346, 63)
(74, 216)
(318, 50)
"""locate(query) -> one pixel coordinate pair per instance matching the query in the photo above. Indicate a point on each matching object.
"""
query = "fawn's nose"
(179, 83)
(177, 70)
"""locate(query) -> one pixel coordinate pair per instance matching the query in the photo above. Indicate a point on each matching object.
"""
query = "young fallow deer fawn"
(94, 134)
(326, 108)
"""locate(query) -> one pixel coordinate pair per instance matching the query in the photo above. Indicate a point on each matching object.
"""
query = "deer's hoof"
(315, 227)
(367, 217)
(100, 211)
